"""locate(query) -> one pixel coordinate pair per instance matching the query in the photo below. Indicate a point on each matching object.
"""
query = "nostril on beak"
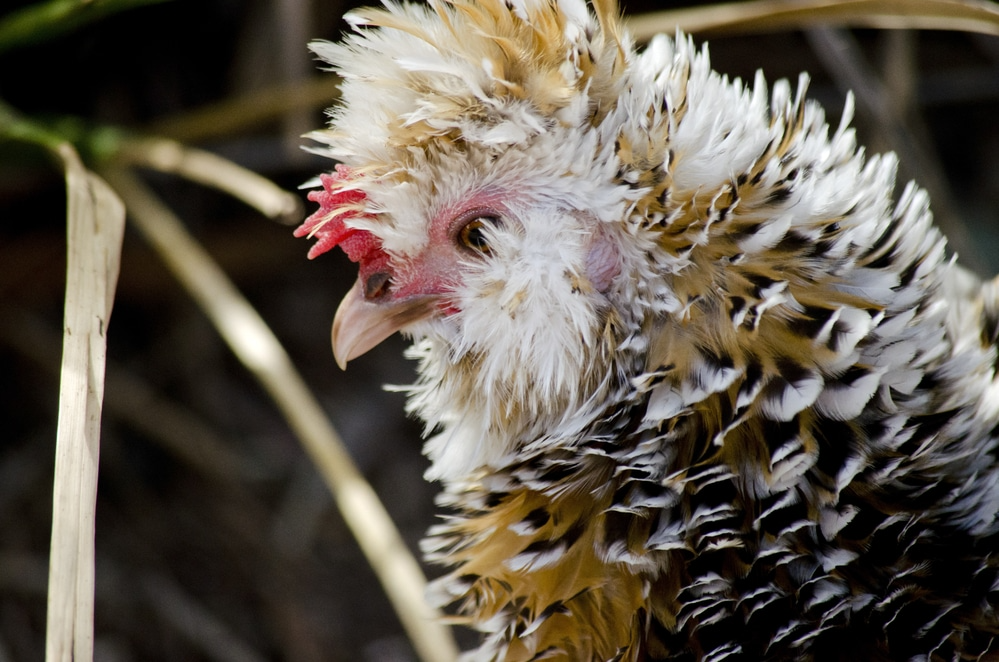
(377, 285)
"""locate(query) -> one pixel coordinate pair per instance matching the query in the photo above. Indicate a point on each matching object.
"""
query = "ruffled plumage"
(715, 393)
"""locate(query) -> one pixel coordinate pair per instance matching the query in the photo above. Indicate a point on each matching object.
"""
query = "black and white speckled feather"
(715, 392)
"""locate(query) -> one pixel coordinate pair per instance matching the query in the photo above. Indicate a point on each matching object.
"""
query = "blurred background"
(216, 538)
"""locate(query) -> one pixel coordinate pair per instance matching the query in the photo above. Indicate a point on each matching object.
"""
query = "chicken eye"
(472, 235)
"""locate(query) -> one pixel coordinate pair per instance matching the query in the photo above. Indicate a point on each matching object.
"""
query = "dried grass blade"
(96, 222)
(130, 398)
(259, 350)
(239, 114)
(194, 622)
(214, 171)
(777, 15)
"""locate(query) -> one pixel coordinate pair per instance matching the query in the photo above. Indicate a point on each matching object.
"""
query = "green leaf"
(52, 18)
(15, 126)
(94, 143)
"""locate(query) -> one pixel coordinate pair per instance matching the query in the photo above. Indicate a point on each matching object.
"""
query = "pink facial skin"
(431, 273)
(603, 264)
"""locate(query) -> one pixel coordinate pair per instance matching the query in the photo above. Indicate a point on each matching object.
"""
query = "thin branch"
(256, 346)
(778, 15)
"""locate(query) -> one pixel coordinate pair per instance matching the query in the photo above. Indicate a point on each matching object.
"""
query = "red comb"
(330, 230)
(328, 224)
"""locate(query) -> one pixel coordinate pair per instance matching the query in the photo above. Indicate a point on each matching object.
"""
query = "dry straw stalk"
(96, 222)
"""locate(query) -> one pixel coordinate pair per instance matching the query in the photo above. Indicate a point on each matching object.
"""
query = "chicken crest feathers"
(480, 72)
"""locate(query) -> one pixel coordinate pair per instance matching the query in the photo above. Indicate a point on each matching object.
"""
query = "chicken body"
(699, 386)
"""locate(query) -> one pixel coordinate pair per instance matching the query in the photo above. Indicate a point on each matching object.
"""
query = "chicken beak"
(360, 324)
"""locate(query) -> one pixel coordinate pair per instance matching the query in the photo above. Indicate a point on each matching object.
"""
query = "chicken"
(697, 383)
